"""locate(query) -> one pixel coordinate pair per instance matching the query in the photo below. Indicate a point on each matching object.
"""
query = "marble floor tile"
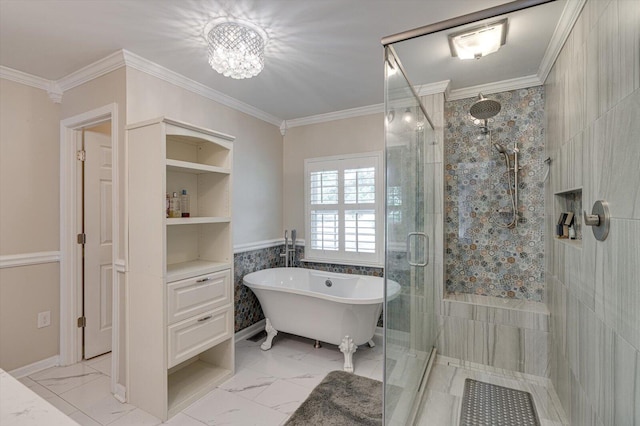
(61, 405)
(95, 400)
(101, 363)
(62, 379)
(137, 417)
(270, 385)
(224, 408)
(83, 420)
(248, 383)
(439, 409)
(303, 374)
(181, 419)
(283, 396)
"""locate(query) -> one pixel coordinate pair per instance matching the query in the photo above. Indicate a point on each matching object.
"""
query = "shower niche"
(568, 211)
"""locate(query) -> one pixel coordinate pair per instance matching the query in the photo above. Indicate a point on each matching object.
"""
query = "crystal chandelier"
(236, 50)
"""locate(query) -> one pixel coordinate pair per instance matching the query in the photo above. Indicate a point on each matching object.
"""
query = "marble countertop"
(19, 405)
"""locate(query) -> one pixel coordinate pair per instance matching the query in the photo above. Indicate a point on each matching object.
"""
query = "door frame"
(70, 256)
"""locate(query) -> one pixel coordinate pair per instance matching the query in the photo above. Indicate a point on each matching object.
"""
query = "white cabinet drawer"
(193, 296)
(188, 338)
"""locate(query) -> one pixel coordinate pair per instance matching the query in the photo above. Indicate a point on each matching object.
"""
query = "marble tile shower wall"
(247, 306)
(482, 257)
(593, 289)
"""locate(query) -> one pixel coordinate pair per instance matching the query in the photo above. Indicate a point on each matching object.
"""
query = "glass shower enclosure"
(409, 319)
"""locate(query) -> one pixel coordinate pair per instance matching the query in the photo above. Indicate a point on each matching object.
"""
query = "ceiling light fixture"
(236, 49)
(407, 116)
(476, 42)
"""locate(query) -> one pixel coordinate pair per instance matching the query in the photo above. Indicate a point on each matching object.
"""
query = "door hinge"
(82, 322)
(81, 155)
(82, 238)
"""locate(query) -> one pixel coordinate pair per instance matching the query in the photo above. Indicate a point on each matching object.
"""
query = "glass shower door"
(409, 303)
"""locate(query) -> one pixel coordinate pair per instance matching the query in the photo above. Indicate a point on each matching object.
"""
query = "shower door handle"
(425, 239)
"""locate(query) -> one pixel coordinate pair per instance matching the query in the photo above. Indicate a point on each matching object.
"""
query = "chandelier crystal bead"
(236, 50)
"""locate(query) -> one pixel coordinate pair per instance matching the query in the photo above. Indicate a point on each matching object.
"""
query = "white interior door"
(98, 264)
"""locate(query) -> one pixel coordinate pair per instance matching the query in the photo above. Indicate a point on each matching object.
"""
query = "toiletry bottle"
(572, 232)
(175, 206)
(184, 203)
(168, 205)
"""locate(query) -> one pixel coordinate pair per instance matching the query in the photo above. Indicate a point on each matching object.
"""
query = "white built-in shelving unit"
(180, 279)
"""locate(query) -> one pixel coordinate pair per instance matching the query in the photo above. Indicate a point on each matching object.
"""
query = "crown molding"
(337, 115)
(94, 70)
(141, 64)
(50, 86)
(495, 87)
(283, 127)
(569, 16)
(433, 88)
(24, 78)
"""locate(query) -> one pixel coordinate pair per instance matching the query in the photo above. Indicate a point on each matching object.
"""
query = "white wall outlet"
(44, 319)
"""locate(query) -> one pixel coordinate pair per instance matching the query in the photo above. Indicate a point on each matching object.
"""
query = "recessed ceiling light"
(476, 42)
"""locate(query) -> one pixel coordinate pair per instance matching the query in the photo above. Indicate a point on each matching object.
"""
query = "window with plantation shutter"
(344, 209)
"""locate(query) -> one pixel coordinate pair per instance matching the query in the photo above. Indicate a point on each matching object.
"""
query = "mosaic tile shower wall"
(481, 256)
(247, 306)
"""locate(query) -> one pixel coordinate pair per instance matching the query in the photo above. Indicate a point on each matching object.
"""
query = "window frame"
(342, 163)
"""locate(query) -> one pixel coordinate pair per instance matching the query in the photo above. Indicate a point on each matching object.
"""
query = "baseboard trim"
(36, 367)
(120, 393)
(245, 333)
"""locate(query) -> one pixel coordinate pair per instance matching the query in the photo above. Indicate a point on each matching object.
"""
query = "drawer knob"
(202, 280)
(208, 317)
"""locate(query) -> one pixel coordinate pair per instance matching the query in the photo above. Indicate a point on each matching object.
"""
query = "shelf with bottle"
(199, 196)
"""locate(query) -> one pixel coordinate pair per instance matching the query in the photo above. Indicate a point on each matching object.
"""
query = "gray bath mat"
(487, 404)
(341, 399)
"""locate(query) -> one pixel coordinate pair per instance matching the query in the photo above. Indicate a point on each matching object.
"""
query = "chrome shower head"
(484, 108)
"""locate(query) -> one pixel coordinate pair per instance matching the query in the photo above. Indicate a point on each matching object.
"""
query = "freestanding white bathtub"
(340, 309)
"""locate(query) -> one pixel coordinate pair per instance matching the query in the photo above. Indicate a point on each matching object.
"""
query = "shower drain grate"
(487, 404)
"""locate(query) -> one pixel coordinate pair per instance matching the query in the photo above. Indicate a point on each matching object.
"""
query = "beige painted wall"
(347, 136)
(25, 291)
(29, 222)
(29, 170)
(257, 161)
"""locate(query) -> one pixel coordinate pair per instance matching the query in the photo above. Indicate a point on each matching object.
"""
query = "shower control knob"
(591, 219)
(599, 219)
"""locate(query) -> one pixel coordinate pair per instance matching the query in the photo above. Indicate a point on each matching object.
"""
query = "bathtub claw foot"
(348, 348)
(371, 344)
(271, 333)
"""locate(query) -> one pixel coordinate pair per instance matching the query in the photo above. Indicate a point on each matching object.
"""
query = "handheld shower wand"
(285, 254)
(293, 246)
